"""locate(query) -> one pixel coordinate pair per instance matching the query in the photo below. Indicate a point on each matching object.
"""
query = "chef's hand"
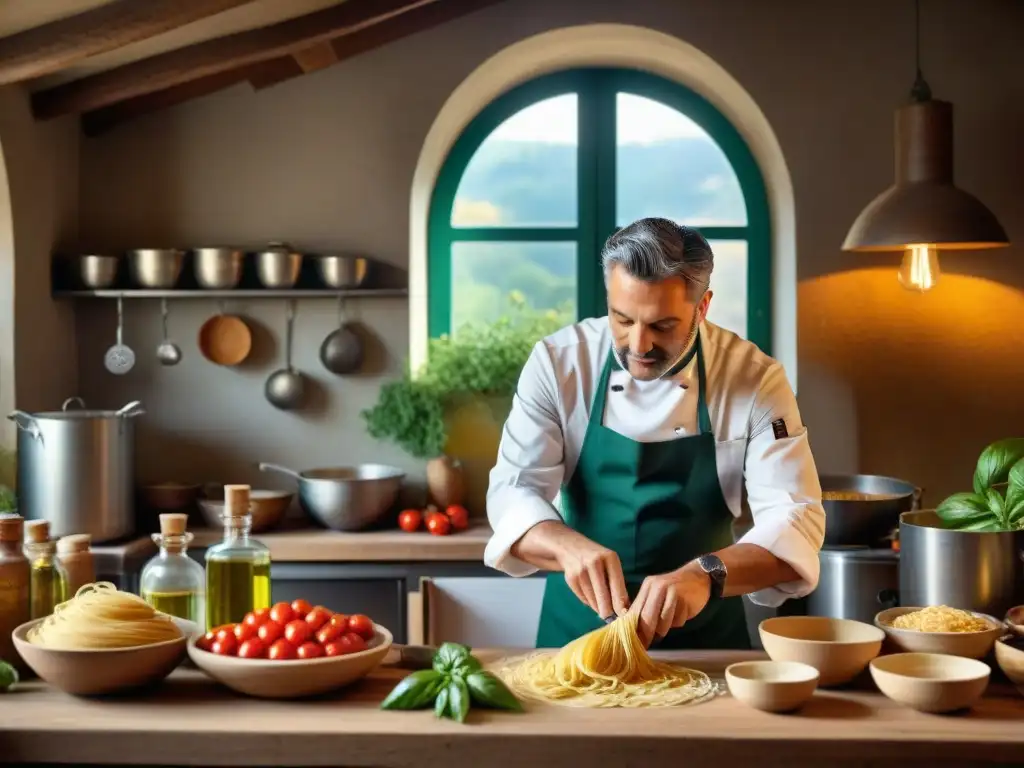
(594, 574)
(669, 600)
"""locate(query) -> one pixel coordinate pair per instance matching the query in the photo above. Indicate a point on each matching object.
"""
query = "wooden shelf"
(235, 293)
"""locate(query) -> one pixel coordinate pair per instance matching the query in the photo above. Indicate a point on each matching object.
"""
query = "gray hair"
(656, 249)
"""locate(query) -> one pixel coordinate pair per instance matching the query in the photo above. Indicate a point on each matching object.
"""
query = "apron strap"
(703, 416)
(601, 393)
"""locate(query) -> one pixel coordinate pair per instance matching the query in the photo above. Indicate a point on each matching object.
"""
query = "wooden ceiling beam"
(213, 57)
(51, 47)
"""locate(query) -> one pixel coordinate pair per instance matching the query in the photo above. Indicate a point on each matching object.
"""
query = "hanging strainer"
(119, 358)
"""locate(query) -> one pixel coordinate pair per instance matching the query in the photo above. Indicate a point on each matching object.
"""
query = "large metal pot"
(76, 469)
(855, 583)
(345, 498)
(970, 570)
(870, 518)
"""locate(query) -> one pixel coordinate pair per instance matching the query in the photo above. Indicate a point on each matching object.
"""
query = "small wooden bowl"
(225, 340)
(970, 645)
(772, 686)
(1010, 658)
(266, 508)
(169, 496)
(839, 649)
(931, 682)
(1015, 619)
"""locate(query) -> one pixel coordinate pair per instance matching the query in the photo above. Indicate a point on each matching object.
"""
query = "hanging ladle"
(168, 353)
(286, 387)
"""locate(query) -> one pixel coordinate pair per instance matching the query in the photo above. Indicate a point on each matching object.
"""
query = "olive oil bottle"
(237, 569)
(48, 581)
(172, 582)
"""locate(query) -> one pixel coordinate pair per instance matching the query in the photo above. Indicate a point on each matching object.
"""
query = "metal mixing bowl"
(278, 266)
(218, 268)
(342, 271)
(155, 267)
(97, 271)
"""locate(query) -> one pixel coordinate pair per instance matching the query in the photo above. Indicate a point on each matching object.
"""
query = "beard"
(656, 362)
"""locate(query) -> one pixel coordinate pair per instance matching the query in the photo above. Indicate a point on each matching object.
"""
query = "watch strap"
(713, 566)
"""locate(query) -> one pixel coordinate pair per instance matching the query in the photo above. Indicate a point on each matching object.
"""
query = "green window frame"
(596, 90)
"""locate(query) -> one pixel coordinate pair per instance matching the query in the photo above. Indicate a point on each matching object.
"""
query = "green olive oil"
(184, 605)
(235, 587)
(48, 581)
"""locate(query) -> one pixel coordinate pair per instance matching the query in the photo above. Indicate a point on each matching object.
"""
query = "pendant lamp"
(924, 212)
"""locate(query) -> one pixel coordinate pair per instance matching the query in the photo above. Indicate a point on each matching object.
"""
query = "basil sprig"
(997, 503)
(455, 681)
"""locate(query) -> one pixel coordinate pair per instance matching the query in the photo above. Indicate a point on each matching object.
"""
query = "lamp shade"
(924, 207)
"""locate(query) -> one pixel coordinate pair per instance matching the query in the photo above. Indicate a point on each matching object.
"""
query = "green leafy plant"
(997, 502)
(482, 359)
(8, 676)
(455, 681)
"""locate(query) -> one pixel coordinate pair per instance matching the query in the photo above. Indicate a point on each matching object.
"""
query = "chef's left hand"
(669, 600)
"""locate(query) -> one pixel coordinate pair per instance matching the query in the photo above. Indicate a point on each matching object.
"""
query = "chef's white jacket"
(763, 454)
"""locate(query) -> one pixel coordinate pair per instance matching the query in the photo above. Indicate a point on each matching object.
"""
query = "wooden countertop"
(189, 720)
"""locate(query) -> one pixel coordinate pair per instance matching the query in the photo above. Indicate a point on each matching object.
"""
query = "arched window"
(542, 175)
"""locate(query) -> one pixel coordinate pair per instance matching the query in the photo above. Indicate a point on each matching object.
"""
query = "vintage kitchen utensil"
(217, 268)
(155, 267)
(345, 498)
(286, 387)
(167, 352)
(863, 510)
(341, 271)
(278, 266)
(120, 358)
(225, 339)
(76, 469)
(342, 351)
(96, 271)
(971, 570)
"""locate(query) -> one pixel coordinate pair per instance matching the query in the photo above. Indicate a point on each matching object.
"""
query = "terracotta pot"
(445, 481)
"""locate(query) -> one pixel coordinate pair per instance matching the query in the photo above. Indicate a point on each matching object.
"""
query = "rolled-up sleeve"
(783, 489)
(528, 474)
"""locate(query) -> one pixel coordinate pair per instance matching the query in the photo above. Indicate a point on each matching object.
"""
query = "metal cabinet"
(482, 611)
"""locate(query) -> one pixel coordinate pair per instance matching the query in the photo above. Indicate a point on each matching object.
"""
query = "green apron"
(658, 506)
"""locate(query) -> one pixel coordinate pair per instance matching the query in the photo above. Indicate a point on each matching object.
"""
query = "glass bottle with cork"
(172, 582)
(237, 569)
(14, 586)
(48, 581)
(74, 554)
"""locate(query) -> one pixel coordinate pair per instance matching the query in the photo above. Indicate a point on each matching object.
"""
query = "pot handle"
(915, 499)
(264, 467)
(134, 408)
(28, 423)
(70, 400)
(888, 598)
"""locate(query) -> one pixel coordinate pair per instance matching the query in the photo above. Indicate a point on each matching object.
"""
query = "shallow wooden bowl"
(295, 678)
(1015, 619)
(97, 672)
(772, 686)
(931, 682)
(839, 649)
(971, 645)
(1010, 658)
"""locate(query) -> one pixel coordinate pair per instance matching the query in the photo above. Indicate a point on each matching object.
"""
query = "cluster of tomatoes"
(454, 518)
(295, 630)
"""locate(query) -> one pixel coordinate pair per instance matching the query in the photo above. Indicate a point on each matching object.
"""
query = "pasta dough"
(608, 667)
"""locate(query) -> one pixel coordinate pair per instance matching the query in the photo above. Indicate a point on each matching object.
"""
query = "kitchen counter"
(189, 720)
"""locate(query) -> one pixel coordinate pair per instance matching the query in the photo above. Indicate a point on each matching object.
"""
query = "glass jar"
(172, 582)
(48, 581)
(14, 586)
(74, 554)
(238, 568)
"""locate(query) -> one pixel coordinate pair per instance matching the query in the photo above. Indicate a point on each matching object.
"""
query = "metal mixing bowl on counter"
(864, 510)
(345, 498)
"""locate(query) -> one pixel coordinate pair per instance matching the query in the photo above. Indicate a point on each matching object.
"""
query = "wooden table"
(191, 721)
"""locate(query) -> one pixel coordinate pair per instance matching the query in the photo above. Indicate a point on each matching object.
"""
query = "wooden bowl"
(931, 682)
(839, 649)
(971, 645)
(267, 509)
(772, 686)
(169, 497)
(96, 672)
(1015, 619)
(294, 678)
(1010, 658)
(225, 340)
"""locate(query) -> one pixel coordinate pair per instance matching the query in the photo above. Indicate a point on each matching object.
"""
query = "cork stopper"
(236, 500)
(173, 523)
(12, 527)
(37, 531)
(75, 542)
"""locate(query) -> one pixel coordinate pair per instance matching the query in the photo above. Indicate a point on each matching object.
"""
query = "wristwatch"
(713, 566)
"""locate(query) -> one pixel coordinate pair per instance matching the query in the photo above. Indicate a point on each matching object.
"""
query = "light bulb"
(920, 268)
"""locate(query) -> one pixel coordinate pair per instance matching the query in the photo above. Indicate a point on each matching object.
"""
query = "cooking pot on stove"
(864, 510)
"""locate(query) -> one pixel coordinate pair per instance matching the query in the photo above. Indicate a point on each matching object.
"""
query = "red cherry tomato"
(317, 617)
(282, 650)
(205, 643)
(410, 519)
(225, 646)
(282, 613)
(297, 632)
(328, 633)
(225, 632)
(459, 517)
(352, 642)
(270, 632)
(439, 524)
(257, 618)
(361, 625)
(340, 620)
(245, 632)
(310, 651)
(252, 648)
(301, 607)
(335, 648)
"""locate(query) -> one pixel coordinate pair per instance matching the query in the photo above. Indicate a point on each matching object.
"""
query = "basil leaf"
(416, 691)
(962, 509)
(458, 699)
(488, 690)
(1015, 488)
(988, 525)
(995, 462)
(449, 656)
(467, 667)
(441, 703)
(8, 676)
(996, 504)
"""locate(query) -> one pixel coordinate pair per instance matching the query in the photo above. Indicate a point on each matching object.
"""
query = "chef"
(633, 443)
